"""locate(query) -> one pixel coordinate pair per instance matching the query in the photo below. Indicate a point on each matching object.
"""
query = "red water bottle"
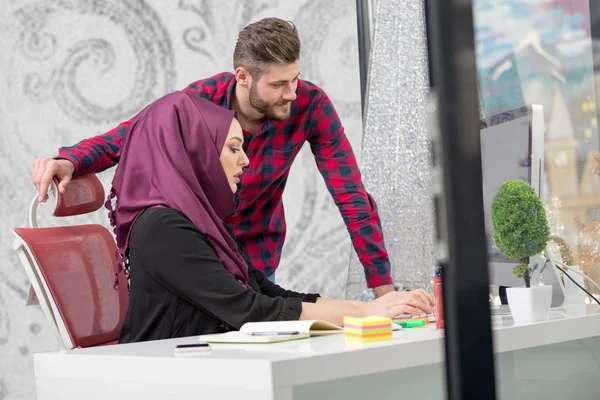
(438, 297)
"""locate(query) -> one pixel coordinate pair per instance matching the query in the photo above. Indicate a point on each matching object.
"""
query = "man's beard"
(268, 109)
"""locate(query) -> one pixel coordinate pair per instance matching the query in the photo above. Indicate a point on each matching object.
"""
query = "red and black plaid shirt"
(259, 221)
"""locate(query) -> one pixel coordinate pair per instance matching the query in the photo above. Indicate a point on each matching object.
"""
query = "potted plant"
(521, 231)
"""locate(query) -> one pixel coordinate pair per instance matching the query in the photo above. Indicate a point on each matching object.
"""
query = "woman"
(179, 164)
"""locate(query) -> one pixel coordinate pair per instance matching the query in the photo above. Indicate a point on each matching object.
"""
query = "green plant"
(520, 225)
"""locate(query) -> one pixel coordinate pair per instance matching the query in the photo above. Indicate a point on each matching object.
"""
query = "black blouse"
(178, 286)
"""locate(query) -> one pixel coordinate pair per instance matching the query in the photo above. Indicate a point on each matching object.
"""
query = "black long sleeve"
(272, 290)
(180, 288)
(266, 286)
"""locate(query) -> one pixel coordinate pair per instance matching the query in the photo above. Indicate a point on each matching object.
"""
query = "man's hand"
(395, 303)
(381, 290)
(45, 169)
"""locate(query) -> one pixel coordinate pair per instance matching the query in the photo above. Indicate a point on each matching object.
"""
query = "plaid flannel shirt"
(259, 221)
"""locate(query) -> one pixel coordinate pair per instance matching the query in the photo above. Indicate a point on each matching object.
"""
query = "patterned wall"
(71, 69)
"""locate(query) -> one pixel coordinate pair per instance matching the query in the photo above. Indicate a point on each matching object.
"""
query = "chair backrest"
(84, 195)
(71, 269)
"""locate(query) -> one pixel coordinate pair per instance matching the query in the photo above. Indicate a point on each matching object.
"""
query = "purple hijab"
(170, 157)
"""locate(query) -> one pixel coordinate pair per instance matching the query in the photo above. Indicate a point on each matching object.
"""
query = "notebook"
(274, 331)
(312, 327)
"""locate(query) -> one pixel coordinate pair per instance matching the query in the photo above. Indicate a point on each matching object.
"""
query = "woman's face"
(233, 157)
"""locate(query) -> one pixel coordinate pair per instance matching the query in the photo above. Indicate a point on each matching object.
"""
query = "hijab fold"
(170, 158)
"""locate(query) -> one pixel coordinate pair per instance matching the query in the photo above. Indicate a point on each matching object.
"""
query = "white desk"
(548, 360)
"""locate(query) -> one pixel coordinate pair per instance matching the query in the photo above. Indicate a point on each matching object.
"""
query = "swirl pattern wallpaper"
(72, 69)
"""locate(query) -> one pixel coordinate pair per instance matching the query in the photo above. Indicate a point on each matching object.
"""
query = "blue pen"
(275, 333)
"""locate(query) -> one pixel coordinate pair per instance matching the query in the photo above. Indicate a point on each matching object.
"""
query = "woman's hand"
(417, 301)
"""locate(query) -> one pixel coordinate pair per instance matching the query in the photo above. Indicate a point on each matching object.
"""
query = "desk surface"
(302, 361)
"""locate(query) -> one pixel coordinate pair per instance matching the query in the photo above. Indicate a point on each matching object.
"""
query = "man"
(278, 113)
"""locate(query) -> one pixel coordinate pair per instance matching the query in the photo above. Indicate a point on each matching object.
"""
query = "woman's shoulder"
(161, 221)
(160, 216)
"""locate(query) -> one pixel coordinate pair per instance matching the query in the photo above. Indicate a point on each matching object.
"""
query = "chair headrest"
(84, 194)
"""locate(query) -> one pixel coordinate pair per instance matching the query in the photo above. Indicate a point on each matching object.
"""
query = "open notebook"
(274, 331)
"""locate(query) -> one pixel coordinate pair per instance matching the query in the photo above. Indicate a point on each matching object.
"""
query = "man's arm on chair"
(91, 155)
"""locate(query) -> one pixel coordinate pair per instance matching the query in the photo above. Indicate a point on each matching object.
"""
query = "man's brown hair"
(268, 41)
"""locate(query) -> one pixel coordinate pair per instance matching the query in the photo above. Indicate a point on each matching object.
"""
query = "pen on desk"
(275, 333)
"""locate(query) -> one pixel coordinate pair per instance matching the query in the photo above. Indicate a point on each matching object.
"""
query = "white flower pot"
(529, 304)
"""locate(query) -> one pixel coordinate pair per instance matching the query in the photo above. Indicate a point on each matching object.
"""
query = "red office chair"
(71, 268)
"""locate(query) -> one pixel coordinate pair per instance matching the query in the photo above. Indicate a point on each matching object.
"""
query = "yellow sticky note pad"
(368, 339)
(367, 322)
(368, 329)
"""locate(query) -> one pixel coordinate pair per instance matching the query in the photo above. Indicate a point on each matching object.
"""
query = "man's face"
(272, 94)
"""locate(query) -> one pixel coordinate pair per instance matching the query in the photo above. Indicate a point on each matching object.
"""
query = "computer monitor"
(512, 147)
